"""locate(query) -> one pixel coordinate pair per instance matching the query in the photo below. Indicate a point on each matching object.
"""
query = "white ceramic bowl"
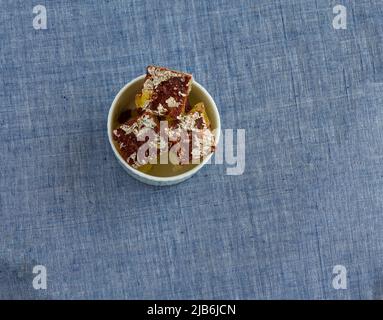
(125, 100)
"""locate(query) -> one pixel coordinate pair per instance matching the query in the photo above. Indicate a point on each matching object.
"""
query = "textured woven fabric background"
(310, 98)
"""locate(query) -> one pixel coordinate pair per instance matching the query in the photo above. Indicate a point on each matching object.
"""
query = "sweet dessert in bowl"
(163, 126)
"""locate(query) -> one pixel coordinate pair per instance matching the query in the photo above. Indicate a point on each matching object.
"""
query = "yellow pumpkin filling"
(145, 168)
(200, 108)
(142, 99)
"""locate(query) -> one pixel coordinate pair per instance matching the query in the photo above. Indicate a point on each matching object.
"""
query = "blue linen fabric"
(309, 97)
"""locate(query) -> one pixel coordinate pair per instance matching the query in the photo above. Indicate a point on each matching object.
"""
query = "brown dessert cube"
(132, 134)
(191, 138)
(165, 92)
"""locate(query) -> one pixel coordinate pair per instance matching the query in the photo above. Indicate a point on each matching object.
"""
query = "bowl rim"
(146, 176)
